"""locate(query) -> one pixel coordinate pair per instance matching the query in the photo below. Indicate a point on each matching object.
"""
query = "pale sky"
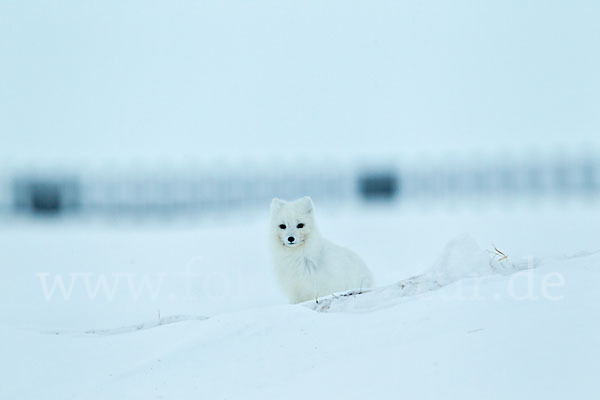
(202, 79)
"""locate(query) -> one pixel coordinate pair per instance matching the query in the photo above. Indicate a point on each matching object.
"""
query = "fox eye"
(300, 226)
(282, 226)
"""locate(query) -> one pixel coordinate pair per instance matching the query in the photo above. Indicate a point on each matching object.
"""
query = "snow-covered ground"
(191, 310)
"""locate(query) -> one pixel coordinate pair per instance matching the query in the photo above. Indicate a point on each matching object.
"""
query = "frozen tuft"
(463, 258)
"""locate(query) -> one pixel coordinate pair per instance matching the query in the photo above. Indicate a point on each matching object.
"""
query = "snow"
(474, 326)
(188, 308)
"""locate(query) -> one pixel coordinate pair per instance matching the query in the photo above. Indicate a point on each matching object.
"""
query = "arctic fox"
(307, 265)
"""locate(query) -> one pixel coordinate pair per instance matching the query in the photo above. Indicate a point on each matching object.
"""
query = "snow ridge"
(461, 258)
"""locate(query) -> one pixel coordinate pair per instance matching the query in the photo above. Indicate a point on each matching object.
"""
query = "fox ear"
(307, 204)
(276, 204)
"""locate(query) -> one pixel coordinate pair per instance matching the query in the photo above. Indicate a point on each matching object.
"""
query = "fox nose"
(291, 239)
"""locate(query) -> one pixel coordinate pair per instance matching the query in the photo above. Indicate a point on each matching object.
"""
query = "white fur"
(311, 266)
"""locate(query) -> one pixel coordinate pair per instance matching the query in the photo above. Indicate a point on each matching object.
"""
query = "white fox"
(307, 265)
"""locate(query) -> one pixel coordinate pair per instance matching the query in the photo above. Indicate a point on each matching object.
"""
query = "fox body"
(307, 265)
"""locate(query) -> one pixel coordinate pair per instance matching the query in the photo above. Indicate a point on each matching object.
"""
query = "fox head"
(292, 222)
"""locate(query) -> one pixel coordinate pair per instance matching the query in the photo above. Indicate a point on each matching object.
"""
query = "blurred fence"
(5, 193)
(558, 178)
(168, 192)
(209, 190)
